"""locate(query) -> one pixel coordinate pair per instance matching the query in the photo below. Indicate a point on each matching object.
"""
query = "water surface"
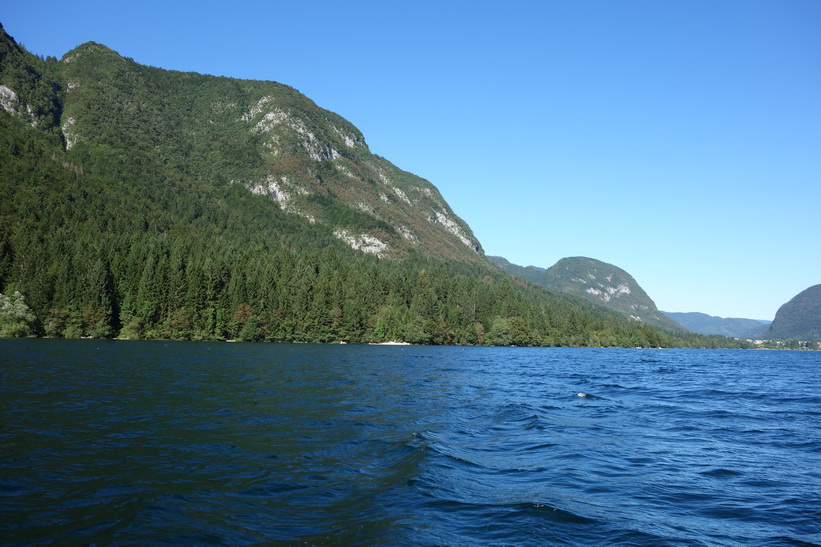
(199, 443)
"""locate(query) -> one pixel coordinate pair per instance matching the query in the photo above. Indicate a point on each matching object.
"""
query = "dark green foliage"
(140, 224)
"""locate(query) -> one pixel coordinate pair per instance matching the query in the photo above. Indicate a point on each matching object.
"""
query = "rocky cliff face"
(29, 87)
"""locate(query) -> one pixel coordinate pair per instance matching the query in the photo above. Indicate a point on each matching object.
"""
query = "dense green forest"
(121, 216)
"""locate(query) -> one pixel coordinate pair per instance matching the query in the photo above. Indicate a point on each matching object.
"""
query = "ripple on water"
(255, 444)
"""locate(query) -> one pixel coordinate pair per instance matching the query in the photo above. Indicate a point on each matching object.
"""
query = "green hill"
(800, 318)
(145, 203)
(598, 282)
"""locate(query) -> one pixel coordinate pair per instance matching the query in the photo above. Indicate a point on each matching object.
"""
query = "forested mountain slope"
(798, 319)
(598, 282)
(145, 203)
(262, 136)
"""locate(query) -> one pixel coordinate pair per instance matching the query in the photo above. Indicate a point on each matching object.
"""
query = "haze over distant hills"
(798, 319)
(708, 324)
(596, 281)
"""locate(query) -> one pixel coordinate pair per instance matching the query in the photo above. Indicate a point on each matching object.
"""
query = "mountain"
(596, 281)
(138, 202)
(264, 137)
(708, 324)
(800, 318)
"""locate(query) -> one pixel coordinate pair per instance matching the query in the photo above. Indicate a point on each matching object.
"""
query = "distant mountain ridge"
(708, 324)
(800, 318)
(596, 281)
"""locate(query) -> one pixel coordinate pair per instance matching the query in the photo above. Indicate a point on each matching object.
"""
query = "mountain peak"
(605, 284)
(90, 48)
(598, 282)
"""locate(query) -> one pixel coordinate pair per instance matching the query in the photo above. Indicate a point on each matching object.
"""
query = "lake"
(126, 442)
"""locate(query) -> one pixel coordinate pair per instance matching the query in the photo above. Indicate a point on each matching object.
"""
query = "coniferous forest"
(131, 206)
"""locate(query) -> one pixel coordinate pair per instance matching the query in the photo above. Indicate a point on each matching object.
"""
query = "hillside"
(724, 326)
(144, 203)
(264, 137)
(800, 318)
(598, 282)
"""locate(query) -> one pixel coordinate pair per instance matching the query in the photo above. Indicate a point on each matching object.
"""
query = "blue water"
(196, 443)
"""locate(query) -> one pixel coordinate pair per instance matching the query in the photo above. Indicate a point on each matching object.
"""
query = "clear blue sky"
(677, 139)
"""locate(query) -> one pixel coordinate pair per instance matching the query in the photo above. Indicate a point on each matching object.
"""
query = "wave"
(298, 445)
